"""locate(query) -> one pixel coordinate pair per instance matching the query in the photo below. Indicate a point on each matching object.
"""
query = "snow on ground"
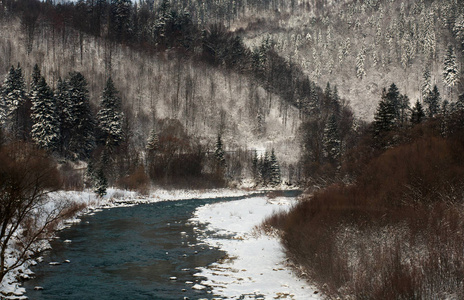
(254, 266)
(10, 288)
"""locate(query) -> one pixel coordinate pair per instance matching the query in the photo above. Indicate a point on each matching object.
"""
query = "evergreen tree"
(264, 167)
(45, 121)
(450, 68)
(274, 170)
(426, 87)
(62, 99)
(109, 117)
(384, 118)
(219, 156)
(101, 183)
(331, 140)
(393, 99)
(15, 103)
(404, 108)
(432, 101)
(120, 19)
(35, 78)
(360, 71)
(153, 141)
(255, 167)
(417, 114)
(80, 121)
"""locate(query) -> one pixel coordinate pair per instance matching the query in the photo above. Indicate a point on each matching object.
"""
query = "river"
(147, 251)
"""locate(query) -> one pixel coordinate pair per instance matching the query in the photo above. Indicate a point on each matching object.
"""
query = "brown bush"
(396, 233)
(137, 181)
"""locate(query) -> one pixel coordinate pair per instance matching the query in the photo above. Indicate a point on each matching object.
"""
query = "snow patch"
(254, 264)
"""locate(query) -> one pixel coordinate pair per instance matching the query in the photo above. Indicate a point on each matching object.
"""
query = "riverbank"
(255, 265)
(10, 287)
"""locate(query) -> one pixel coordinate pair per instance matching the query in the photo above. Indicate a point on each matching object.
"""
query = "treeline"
(389, 227)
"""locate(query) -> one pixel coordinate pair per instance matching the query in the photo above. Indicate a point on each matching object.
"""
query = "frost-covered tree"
(13, 93)
(458, 29)
(450, 68)
(426, 84)
(79, 119)
(110, 117)
(153, 141)
(45, 121)
(360, 71)
(432, 102)
(101, 183)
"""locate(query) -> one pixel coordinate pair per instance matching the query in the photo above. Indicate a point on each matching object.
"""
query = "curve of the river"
(127, 253)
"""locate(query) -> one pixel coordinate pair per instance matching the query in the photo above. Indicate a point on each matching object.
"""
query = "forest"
(360, 103)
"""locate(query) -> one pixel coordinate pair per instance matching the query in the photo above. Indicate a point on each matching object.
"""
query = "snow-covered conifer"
(153, 141)
(110, 117)
(450, 68)
(360, 71)
(274, 170)
(219, 153)
(45, 121)
(80, 120)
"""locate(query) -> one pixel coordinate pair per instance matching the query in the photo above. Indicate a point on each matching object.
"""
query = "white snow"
(254, 264)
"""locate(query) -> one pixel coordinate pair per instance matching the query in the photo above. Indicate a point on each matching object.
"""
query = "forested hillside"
(172, 72)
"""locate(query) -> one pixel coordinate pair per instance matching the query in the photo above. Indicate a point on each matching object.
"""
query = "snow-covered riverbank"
(256, 261)
(255, 264)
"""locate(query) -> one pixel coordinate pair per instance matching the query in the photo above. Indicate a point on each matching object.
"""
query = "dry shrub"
(397, 233)
(137, 181)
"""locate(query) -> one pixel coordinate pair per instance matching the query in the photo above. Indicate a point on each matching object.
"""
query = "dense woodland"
(359, 102)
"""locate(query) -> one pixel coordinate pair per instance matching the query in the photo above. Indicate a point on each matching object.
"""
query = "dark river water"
(127, 253)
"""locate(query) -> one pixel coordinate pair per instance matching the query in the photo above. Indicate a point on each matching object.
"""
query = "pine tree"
(404, 108)
(61, 98)
(264, 167)
(417, 114)
(79, 117)
(274, 170)
(450, 68)
(426, 87)
(393, 98)
(101, 183)
(219, 156)
(15, 103)
(255, 167)
(331, 140)
(35, 78)
(432, 101)
(109, 117)
(46, 127)
(384, 118)
(360, 71)
(153, 141)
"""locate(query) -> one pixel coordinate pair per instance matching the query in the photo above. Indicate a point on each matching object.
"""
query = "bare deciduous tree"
(27, 176)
